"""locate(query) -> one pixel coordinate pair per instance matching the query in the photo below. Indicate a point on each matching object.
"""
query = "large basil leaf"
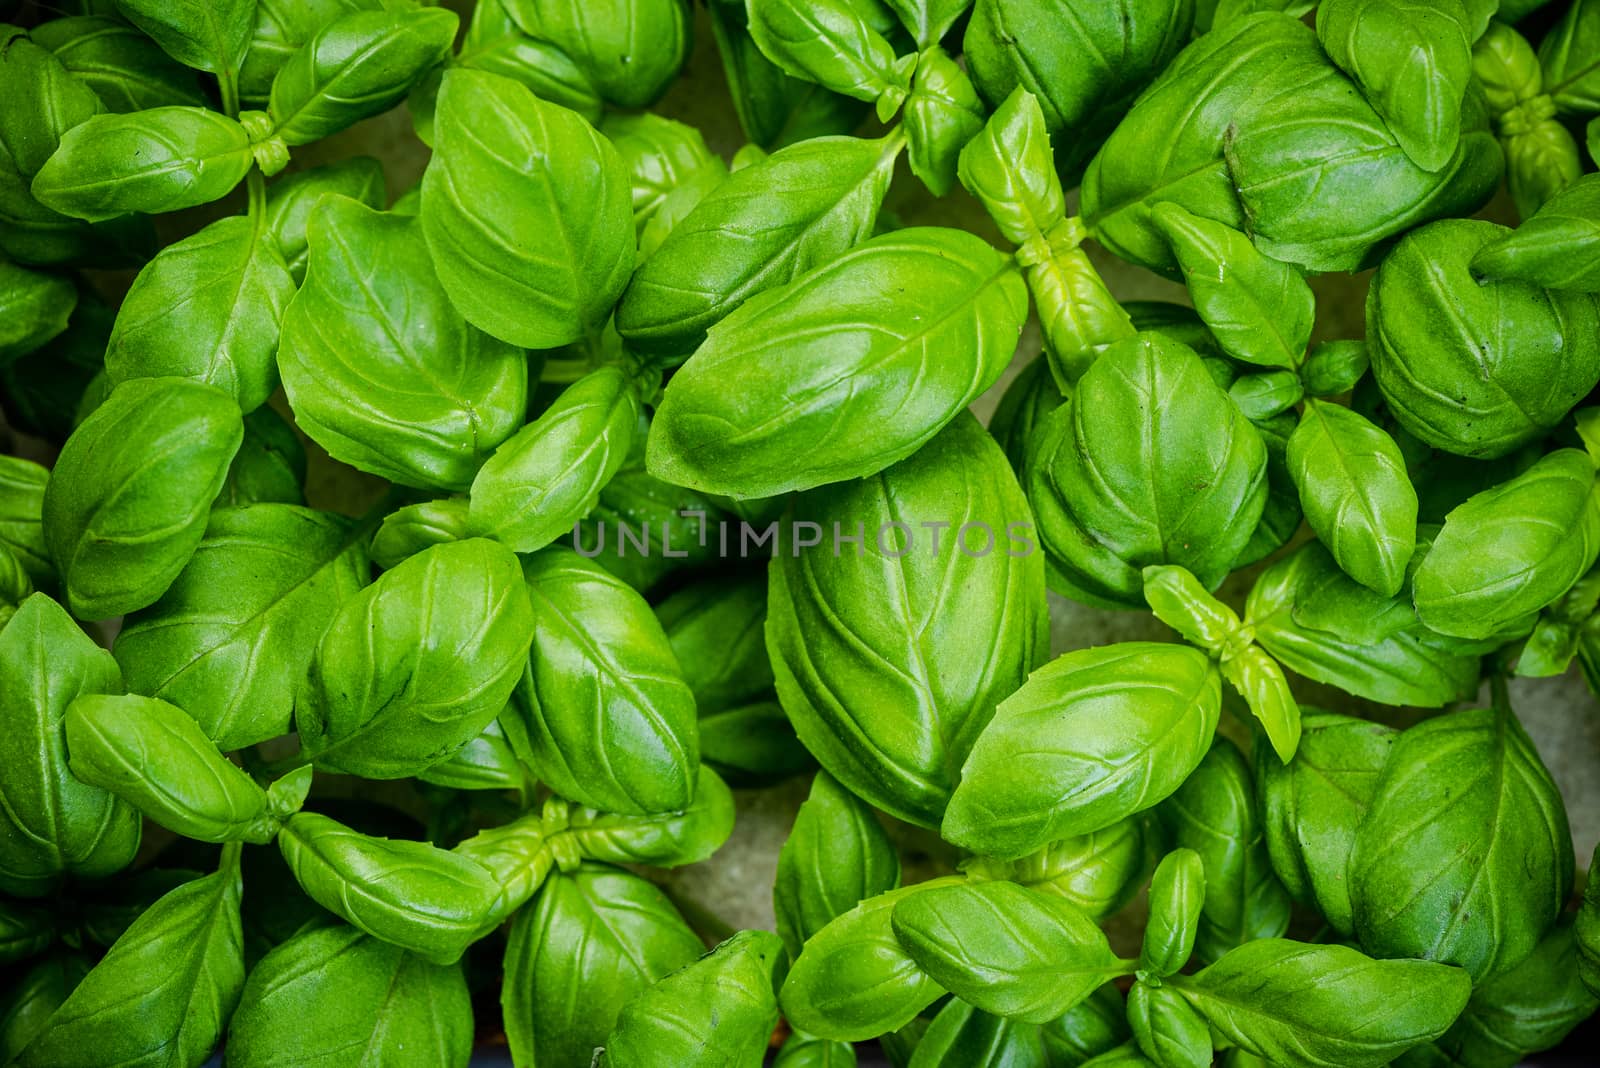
(1485, 884)
(35, 306)
(333, 996)
(874, 649)
(355, 67)
(206, 308)
(151, 161)
(156, 758)
(291, 199)
(854, 980)
(1222, 133)
(1323, 624)
(431, 395)
(630, 49)
(1357, 496)
(548, 475)
(1307, 1006)
(1312, 807)
(971, 1038)
(22, 489)
(1475, 368)
(823, 380)
(1558, 247)
(126, 70)
(414, 667)
(796, 210)
(129, 496)
(1512, 550)
(280, 28)
(836, 856)
(1412, 60)
(590, 943)
(44, 101)
(1006, 949)
(427, 900)
(1084, 60)
(719, 1010)
(36, 234)
(1214, 813)
(1091, 738)
(1148, 463)
(601, 712)
(53, 824)
(527, 211)
(1099, 872)
(833, 43)
(209, 35)
(192, 939)
(230, 637)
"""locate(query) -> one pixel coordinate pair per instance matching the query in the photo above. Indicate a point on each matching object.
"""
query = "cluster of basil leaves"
(582, 319)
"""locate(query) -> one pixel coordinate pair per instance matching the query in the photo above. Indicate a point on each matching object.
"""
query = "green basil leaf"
(1412, 61)
(774, 109)
(44, 101)
(156, 758)
(716, 630)
(150, 161)
(1117, 486)
(590, 943)
(486, 763)
(24, 932)
(270, 466)
(623, 739)
(549, 474)
(720, 1009)
(801, 1050)
(1167, 1029)
(753, 744)
(356, 66)
(43, 389)
(34, 307)
(22, 490)
(1093, 1026)
(281, 28)
(966, 1036)
(1541, 162)
(126, 69)
(238, 627)
(410, 894)
(207, 308)
(928, 20)
(942, 114)
(1299, 1005)
(837, 855)
(1084, 61)
(36, 234)
(1259, 310)
(415, 666)
(1324, 625)
(1499, 849)
(1178, 891)
(1123, 724)
(1586, 931)
(15, 585)
(128, 499)
(431, 396)
(644, 530)
(832, 43)
(662, 839)
(819, 381)
(889, 626)
(1567, 55)
(1529, 1008)
(802, 207)
(1215, 814)
(26, 1007)
(1454, 371)
(334, 995)
(853, 980)
(1127, 1055)
(1008, 166)
(1513, 549)
(630, 49)
(1006, 949)
(1356, 493)
(501, 150)
(1312, 807)
(208, 35)
(53, 825)
(291, 198)
(1023, 409)
(1099, 872)
(1334, 367)
(660, 155)
(495, 43)
(191, 938)
(411, 529)
(1557, 248)
(1265, 395)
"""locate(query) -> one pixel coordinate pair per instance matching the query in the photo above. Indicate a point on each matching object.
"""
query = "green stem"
(228, 81)
(231, 851)
(256, 185)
